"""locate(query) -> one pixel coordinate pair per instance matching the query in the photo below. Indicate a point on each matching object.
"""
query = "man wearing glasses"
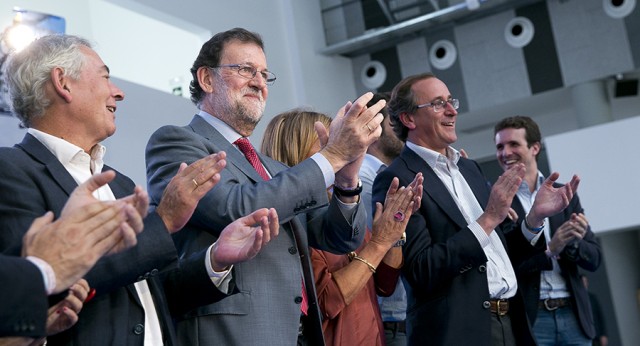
(277, 300)
(462, 288)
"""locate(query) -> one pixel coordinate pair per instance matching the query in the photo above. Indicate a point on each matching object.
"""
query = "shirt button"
(293, 250)
(298, 300)
(138, 329)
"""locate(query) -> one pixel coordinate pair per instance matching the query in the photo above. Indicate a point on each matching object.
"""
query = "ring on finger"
(369, 128)
(195, 183)
(398, 216)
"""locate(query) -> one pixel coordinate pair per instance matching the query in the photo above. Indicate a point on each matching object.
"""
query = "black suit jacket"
(32, 182)
(444, 265)
(23, 307)
(528, 268)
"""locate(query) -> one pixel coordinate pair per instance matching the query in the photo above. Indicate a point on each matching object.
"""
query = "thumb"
(96, 181)
(552, 178)
(378, 211)
(182, 167)
(323, 134)
(36, 227)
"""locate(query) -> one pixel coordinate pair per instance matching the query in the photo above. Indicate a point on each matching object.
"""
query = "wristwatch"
(351, 192)
(402, 240)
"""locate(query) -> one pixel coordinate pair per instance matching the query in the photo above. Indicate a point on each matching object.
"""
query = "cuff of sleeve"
(326, 168)
(220, 279)
(480, 234)
(48, 275)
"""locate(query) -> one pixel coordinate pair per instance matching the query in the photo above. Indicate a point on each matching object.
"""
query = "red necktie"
(247, 149)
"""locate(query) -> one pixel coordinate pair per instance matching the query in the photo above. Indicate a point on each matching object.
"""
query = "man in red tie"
(230, 87)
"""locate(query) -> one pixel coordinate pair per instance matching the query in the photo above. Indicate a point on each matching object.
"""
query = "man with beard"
(378, 157)
(277, 300)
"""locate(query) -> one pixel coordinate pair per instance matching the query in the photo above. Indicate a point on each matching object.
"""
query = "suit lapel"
(40, 153)
(433, 186)
(476, 182)
(234, 156)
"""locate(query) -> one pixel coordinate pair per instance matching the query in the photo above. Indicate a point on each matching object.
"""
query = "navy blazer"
(444, 265)
(33, 182)
(528, 267)
(23, 307)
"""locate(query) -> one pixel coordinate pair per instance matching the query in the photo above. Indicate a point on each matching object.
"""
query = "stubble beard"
(240, 116)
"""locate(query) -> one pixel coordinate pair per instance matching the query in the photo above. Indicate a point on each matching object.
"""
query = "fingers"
(513, 215)
(96, 181)
(205, 173)
(274, 223)
(393, 188)
(134, 219)
(575, 181)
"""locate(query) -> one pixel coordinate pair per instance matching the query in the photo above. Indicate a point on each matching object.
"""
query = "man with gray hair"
(61, 90)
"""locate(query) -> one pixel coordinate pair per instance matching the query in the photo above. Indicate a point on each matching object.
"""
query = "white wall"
(605, 158)
(144, 51)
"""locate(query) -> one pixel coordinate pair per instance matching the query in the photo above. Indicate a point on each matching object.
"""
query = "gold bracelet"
(354, 256)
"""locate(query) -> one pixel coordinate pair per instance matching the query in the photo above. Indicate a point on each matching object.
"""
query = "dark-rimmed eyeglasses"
(440, 104)
(248, 71)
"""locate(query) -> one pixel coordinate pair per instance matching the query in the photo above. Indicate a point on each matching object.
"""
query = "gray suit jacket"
(267, 310)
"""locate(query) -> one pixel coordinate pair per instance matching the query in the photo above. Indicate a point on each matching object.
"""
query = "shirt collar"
(539, 180)
(65, 151)
(373, 161)
(225, 130)
(432, 157)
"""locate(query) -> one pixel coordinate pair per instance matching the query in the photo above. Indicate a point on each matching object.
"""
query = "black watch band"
(348, 193)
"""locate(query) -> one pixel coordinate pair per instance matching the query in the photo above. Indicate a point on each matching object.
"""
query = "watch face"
(402, 240)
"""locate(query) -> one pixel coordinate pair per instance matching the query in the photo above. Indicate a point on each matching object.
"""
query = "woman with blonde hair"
(347, 284)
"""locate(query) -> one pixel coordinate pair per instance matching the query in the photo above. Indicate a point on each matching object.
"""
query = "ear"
(407, 120)
(535, 148)
(205, 79)
(61, 83)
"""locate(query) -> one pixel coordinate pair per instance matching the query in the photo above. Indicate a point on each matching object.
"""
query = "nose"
(449, 108)
(258, 81)
(117, 93)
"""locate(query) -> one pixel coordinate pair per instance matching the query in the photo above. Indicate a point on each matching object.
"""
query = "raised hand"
(390, 221)
(501, 196)
(570, 232)
(188, 186)
(352, 130)
(76, 241)
(416, 187)
(138, 204)
(551, 200)
(242, 239)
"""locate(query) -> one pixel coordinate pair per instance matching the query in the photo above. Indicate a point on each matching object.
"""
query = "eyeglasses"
(250, 72)
(440, 104)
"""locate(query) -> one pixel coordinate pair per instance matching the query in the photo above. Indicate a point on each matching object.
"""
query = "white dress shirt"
(552, 284)
(500, 273)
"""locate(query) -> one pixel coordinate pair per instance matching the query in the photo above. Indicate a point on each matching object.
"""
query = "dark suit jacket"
(32, 182)
(23, 307)
(267, 309)
(528, 268)
(444, 265)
